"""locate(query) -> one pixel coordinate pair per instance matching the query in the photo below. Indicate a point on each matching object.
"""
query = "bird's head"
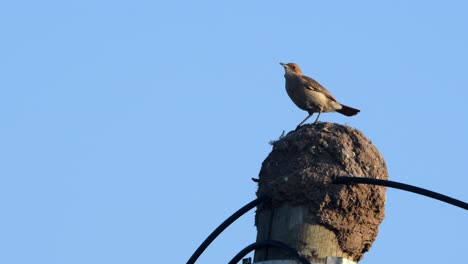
(291, 68)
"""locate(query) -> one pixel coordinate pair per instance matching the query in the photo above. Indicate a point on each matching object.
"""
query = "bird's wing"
(313, 85)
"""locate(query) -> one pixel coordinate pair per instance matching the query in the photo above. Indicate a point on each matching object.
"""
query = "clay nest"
(300, 169)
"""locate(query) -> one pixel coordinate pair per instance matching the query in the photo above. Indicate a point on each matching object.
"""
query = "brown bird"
(310, 96)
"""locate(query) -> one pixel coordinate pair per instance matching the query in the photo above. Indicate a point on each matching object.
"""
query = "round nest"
(300, 170)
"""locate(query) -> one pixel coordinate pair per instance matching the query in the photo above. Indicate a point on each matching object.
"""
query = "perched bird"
(310, 96)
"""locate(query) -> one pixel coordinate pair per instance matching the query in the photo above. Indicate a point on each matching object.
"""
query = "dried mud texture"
(299, 171)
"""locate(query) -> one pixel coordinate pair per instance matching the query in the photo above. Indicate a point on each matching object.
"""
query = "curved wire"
(402, 186)
(337, 180)
(223, 226)
(268, 243)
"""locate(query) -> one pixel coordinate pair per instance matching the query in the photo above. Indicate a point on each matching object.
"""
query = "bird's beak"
(283, 64)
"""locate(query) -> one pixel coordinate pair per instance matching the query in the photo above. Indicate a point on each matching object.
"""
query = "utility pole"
(324, 222)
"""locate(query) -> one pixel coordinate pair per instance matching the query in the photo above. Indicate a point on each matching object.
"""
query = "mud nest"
(300, 169)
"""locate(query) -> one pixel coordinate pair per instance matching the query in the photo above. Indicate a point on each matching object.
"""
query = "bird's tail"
(348, 111)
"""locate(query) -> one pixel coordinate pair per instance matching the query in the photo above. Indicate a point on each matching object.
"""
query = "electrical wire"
(338, 180)
(223, 226)
(406, 187)
(268, 243)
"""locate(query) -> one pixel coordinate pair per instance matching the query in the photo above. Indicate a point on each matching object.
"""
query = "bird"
(311, 96)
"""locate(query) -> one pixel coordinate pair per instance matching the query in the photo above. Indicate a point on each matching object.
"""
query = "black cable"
(268, 243)
(337, 180)
(402, 186)
(223, 226)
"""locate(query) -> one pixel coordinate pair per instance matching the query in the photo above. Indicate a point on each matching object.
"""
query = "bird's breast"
(303, 97)
(298, 94)
(308, 99)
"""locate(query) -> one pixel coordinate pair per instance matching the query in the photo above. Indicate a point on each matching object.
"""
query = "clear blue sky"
(131, 129)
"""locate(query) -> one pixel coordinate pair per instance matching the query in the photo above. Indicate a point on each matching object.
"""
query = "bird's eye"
(293, 67)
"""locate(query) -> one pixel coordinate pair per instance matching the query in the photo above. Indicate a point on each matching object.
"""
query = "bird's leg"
(304, 120)
(316, 120)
